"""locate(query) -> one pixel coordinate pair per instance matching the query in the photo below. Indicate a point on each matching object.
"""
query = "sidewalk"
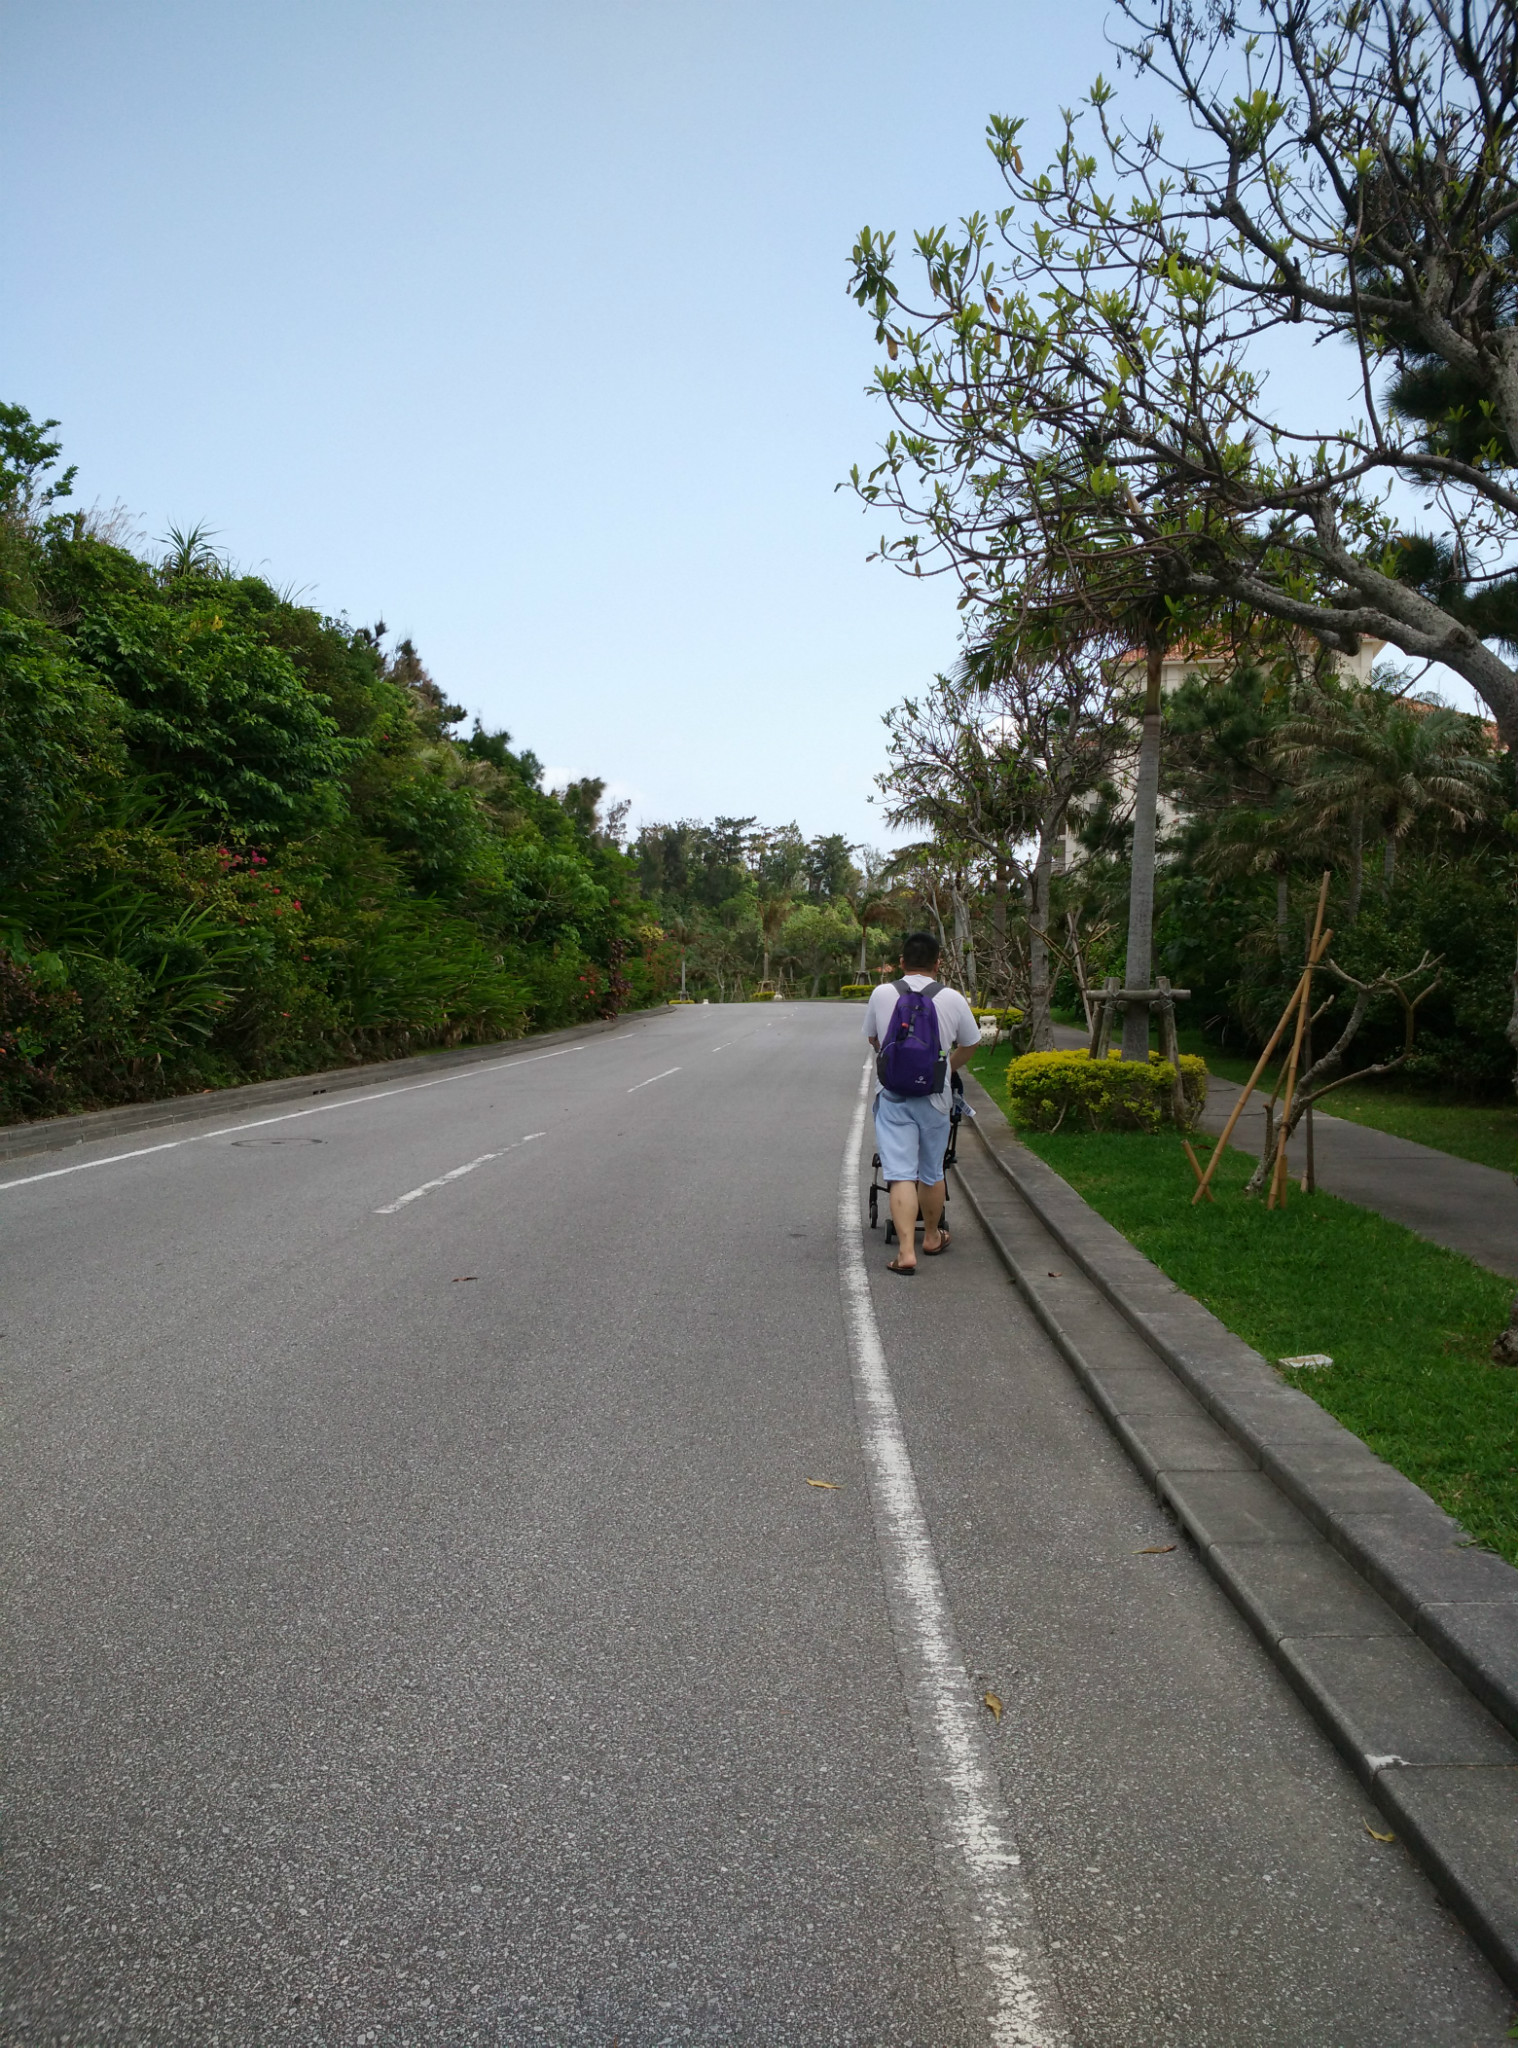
(1471, 1209)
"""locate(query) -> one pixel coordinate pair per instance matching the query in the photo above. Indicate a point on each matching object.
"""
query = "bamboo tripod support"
(1276, 1199)
(1293, 1009)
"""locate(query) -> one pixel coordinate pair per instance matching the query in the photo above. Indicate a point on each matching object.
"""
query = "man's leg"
(931, 1200)
(904, 1216)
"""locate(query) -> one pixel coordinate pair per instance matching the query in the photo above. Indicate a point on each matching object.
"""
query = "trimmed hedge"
(1048, 1089)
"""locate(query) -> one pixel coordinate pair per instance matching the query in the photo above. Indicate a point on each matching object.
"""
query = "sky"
(523, 327)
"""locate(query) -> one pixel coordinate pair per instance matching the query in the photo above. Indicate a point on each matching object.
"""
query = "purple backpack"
(909, 1062)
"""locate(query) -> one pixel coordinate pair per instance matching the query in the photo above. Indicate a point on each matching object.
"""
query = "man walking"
(922, 1033)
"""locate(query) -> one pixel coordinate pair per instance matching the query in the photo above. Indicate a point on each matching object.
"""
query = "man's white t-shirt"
(956, 1024)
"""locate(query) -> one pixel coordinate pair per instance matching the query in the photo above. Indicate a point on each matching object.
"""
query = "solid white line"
(651, 1080)
(441, 1182)
(1001, 1960)
(346, 1102)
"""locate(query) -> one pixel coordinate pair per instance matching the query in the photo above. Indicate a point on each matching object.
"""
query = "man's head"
(919, 953)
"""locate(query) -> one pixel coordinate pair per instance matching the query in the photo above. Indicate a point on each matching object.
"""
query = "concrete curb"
(1401, 1639)
(59, 1133)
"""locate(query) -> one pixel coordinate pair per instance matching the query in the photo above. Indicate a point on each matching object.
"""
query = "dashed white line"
(288, 1116)
(414, 1194)
(651, 1080)
(1002, 1966)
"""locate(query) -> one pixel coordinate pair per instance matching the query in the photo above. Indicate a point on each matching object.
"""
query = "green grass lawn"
(1408, 1325)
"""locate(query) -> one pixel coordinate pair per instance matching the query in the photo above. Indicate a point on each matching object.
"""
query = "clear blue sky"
(524, 327)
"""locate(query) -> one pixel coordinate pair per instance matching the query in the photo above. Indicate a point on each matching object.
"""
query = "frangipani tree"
(1083, 376)
(1080, 389)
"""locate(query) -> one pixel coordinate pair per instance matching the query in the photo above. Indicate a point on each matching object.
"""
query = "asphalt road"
(419, 1626)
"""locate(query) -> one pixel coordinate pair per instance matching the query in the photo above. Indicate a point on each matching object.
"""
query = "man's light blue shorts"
(911, 1137)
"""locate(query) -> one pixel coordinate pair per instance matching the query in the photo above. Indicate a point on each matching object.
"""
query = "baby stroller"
(957, 1109)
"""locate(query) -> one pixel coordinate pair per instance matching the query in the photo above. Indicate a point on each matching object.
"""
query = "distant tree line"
(750, 907)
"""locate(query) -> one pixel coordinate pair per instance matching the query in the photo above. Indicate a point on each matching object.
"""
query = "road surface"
(421, 1625)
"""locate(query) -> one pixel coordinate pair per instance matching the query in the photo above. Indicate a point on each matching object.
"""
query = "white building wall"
(1174, 670)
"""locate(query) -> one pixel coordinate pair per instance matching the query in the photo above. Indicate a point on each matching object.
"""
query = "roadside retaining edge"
(88, 1126)
(1462, 1601)
(1460, 1835)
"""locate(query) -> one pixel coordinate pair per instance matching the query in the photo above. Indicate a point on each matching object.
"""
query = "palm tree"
(684, 930)
(775, 905)
(874, 898)
(1375, 757)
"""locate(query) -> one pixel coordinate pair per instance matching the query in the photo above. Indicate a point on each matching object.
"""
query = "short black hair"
(919, 952)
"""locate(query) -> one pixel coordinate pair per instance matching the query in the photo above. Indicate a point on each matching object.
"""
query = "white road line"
(346, 1102)
(1002, 1967)
(442, 1181)
(724, 1045)
(651, 1080)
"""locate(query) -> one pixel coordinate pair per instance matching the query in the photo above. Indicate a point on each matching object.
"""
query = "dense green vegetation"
(240, 839)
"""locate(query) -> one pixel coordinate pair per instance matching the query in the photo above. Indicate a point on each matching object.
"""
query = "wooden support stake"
(1196, 1167)
(1249, 1088)
(1317, 945)
(1101, 1038)
(1170, 1048)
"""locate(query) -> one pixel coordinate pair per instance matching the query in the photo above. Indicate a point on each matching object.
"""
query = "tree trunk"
(1356, 863)
(1039, 1017)
(1139, 964)
(964, 943)
(1505, 1350)
(944, 942)
(1389, 860)
(1000, 966)
(864, 940)
(1283, 913)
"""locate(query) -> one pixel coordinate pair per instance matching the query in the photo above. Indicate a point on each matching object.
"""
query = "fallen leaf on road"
(1056, 1276)
(994, 1703)
(464, 1276)
(1378, 1837)
(1154, 1550)
(831, 1484)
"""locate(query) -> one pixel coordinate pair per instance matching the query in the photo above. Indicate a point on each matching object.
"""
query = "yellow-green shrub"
(861, 989)
(1048, 1089)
